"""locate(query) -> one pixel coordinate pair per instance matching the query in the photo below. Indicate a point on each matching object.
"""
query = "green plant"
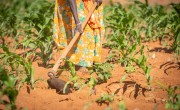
(153, 21)
(125, 40)
(176, 29)
(31, 20)
(18, 67)
(11, 14)
(102, 70)
(73, 78)
(121, 106)
(158, 22)
(173, 101)
(8, 88)
(37, 29)
(92, 83)
(105, 98)
(8, 24)
(46, 51)
(173, 96)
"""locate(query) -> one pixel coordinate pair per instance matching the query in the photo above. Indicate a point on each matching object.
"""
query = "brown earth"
(165, 70)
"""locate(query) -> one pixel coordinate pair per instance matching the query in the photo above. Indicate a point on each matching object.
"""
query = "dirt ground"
(164, 70)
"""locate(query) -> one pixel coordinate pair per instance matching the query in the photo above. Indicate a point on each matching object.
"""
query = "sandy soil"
(164, 70)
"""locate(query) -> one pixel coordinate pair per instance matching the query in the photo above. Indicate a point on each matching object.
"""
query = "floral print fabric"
(88, 47)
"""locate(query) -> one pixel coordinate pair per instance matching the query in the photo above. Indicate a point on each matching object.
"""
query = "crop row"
(28, 23)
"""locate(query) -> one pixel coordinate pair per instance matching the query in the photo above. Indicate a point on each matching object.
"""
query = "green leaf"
(123, 78)
(121, 106)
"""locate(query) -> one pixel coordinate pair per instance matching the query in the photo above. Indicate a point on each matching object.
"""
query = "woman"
(69, 14)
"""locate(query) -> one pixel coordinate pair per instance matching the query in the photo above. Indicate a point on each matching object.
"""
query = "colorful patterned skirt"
(87, 49)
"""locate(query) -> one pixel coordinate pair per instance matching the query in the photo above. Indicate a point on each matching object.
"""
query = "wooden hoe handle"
(68, 48)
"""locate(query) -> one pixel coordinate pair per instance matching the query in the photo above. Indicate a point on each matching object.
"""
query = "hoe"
(56, 83)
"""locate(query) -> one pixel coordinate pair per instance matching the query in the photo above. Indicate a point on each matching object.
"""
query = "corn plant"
(173, 101)
(176, 29)
(152, 20)
(8, 88)
(105, 98)
(18, 67)
(102, 70)
(121, 106)
(158, 22)
(8, 24)
(11, 12)
(103, 73)
(125, 40)
(73, 78)
(37, 29)
(32, 21)
(173, 96)
(46, 50)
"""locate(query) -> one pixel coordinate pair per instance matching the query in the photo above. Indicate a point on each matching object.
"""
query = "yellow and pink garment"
(88, 48)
